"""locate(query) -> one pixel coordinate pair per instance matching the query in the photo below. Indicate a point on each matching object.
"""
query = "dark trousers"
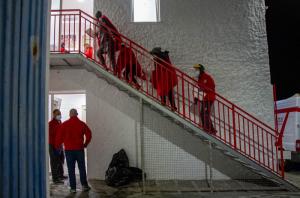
(72, 157)
(108, 45)
(133, 73)
(56, 164)
(205, 115)
(171, 99)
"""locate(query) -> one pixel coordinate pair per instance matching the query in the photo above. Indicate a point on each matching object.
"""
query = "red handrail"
(236, 127)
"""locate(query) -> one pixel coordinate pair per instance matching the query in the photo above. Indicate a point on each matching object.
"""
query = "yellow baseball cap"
(199, 66)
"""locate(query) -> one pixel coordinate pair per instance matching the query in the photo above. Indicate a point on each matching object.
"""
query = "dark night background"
(283, 32)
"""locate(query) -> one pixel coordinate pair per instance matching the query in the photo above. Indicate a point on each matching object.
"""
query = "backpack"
(119, 159)
(119, 173)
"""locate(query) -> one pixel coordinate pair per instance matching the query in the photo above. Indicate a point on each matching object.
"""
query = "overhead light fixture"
(81, 1)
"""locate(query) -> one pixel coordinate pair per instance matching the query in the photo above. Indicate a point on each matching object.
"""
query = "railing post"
(183, 96)
(281, 160)
(275, 108)
(79, 44)
(142, 144)
(234, 127)
(130, 61)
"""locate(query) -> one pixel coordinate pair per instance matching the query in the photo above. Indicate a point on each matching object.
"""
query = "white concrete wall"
(170, 152)
(228, 36)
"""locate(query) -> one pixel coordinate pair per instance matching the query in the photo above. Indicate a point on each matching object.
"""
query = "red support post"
(69, 33)
(54, 44)
(281, 160)
(130, 62)
(275, 108)
(79, 39)
(183, 96)
(234, 128)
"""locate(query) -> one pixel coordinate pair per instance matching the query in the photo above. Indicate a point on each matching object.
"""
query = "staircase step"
(252, 168)
(122, 89)
(165, 115)
(218, 147)
(229, 154)
(264, 175)
(240, 161)
(269, 178)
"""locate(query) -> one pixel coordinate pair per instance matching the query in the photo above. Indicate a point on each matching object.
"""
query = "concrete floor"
(293, 177)
(189, 189)
(182, 189)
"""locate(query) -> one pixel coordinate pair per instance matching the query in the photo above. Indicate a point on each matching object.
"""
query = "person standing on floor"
(56, 155)
(206, 84)
(75, 135)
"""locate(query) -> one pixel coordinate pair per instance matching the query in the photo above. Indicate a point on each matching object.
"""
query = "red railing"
(235, 127)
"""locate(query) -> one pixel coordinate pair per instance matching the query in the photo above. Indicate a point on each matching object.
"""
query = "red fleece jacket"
(53, 127)
(207, 83)
(71, 133)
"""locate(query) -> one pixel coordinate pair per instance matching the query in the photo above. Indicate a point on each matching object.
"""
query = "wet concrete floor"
(181, 189)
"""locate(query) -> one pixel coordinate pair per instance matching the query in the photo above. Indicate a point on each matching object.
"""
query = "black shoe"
(86, 188)
(58, 182)
(63, 177)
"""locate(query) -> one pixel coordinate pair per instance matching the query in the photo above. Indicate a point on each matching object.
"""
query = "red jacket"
(109, 24)
(126, 59)
(62, 50)
(164, 77)
(207, 84)
(53, 127)
(89, 52)
(71, 133)
(115, 33)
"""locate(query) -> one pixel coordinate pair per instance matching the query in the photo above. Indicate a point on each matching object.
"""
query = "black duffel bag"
(119, 173)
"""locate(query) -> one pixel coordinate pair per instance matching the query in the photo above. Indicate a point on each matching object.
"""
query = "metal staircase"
(241, 137)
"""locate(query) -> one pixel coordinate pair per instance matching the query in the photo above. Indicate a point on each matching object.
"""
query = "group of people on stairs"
(163, 77)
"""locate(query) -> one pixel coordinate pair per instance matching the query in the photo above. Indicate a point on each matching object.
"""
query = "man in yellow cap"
(207, 85)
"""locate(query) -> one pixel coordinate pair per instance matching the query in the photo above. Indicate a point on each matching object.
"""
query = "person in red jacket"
(164, 77)
(72, 134)
(128, 60)
(108, 39)
(88, 51)
(63, 49)
(56, 157)
(207, 84)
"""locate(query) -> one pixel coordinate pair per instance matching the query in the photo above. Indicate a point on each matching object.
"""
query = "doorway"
(64, 101)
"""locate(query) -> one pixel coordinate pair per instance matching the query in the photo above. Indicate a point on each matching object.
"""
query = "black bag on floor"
(119, 173)
(117, 176)
(119, 159)
(136, 174)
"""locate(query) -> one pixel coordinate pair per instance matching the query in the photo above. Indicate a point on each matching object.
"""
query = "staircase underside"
(78, 61)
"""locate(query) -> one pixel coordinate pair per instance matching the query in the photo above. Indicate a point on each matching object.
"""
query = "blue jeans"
(72, 157)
